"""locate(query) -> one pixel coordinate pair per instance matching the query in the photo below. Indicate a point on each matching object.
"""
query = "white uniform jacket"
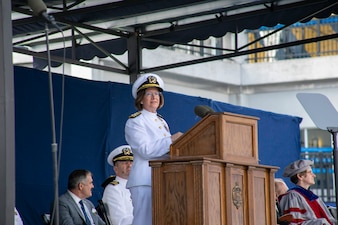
(149, 138)
(116, 198)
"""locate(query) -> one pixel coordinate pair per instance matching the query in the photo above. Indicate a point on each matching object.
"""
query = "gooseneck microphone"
(39, 8)
(203, 110)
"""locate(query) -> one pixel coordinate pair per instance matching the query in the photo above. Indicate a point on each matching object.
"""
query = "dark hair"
(139, 98)
(76, 177)
(294, 179)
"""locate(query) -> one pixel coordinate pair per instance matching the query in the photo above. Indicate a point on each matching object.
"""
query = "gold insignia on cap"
(147, 81)
(152, 80)
(125, 155)
(126, 151)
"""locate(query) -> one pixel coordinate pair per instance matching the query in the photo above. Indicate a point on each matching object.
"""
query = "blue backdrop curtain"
(93, 124)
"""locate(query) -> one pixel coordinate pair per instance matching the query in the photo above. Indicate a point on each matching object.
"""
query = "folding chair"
(46, 218)
(101, 209)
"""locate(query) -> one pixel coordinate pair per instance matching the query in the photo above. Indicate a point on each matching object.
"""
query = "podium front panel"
(212, 192)
(239, 139)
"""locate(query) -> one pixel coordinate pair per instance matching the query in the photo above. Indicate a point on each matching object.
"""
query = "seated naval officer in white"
(116, 196)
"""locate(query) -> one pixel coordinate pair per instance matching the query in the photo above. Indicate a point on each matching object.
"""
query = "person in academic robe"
(305, 207)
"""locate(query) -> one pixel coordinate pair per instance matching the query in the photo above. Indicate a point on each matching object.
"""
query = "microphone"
(203, 110)
(39, 8)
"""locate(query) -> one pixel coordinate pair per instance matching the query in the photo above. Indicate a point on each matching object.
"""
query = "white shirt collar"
(74, 197)
(146, 112)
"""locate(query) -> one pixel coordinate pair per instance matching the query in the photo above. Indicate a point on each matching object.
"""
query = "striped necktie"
(84, 213)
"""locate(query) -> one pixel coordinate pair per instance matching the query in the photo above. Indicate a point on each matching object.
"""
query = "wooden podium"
(213, 176)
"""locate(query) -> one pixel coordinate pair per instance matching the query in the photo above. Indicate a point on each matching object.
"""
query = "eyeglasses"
(154, 94)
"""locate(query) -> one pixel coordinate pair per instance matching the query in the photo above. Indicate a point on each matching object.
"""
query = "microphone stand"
(334, 131)
(55, 213)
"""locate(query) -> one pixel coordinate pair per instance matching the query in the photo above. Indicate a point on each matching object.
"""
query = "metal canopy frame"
(134, 34)
(142, 31)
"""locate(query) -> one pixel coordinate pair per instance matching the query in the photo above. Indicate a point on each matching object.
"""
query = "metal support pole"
(7, 127)
(55, 213)
(334, 131)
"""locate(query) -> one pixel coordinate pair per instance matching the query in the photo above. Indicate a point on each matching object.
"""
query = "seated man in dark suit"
(74, 208)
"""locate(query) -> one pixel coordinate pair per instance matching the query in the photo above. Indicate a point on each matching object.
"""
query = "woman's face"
(151, 99)
(308, 178)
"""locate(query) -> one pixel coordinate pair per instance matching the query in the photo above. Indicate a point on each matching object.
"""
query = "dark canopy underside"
(133, 25)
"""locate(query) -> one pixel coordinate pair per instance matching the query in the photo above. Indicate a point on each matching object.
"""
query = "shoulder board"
(114, 182)
(159, 115)
(108, 181)
(135, 114)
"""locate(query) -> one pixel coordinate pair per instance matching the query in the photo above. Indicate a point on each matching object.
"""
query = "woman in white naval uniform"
(149, 137)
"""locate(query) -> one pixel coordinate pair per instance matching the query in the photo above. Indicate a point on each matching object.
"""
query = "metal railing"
(323, 169)
(297, 32)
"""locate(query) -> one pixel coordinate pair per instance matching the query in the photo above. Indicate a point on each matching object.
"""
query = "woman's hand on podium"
(175, 136)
